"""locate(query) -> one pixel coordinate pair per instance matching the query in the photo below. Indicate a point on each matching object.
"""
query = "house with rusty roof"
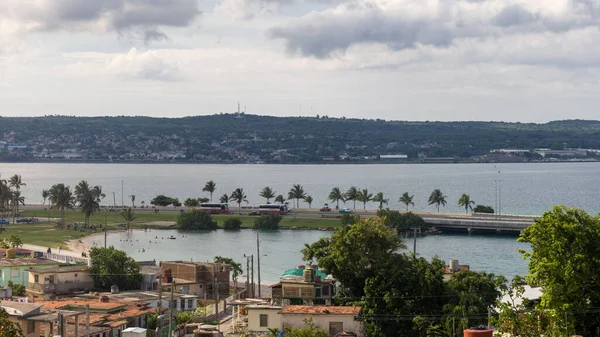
(335, 320)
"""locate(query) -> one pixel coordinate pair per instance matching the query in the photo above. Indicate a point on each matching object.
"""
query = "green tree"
(310, 329)
(466, 202)
(470, 295)
(564, 260)
(235, 268)
(62, 199)
(17, 199)
(128, 215)
(191, 202)
(224, 199)
(309, 200)
(267, 222)
(280, 199)
(9, 328)
(238, 196)
(195, 219)
(6, 198)
(401, 222)
(163, 200)
(210, 187)
(17, 289)
(483, 209)
(15, 241)
(132, 197)
(351, 195)
(114, 267)
(202, 200)
(437, 198)
(16, 182)
(336, 195)
(380, 199)
(184, 317)
(407, 200)
(267, 193)
(297, 192)
(232, 224)
(364, 196)
(88, 199)
(355, 252)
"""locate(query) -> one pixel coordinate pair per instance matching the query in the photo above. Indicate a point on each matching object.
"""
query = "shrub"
(232, 224)
(483, 209)
(191, 202)
(349, 219)
(162, 200)
(195, 220)
(269, 221)
(401, 222)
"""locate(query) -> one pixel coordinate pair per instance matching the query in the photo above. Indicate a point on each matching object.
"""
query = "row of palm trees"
(336, 195)
(10, 195)
(85, 197)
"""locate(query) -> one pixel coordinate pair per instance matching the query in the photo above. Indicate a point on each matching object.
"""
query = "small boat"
(171, 237)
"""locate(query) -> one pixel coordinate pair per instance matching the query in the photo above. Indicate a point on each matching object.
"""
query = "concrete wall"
(274, 319)
(322, 321)
(63, 283)
(39, 328)
(21, 274)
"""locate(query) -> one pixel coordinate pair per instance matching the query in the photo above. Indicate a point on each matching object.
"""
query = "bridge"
(498, 223)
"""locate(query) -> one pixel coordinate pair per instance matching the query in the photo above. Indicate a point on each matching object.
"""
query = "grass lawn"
(44, 234)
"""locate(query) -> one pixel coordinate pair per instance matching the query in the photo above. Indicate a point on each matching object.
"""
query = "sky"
(500, 60)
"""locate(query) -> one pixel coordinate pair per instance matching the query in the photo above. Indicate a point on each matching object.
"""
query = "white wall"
(274, 319)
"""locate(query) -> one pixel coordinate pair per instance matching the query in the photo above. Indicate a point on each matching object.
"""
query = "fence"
(66, 259)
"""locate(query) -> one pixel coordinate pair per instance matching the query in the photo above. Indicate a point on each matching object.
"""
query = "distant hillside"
(251, 138)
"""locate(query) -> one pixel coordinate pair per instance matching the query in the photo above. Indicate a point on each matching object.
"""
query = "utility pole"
(87, 320)
(122, 199)
(252, 264)
(171, 309)
(105, 229)
(258, 261)
(114, 200)
(247, 275)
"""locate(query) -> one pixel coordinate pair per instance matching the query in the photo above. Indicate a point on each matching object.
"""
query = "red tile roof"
(320, 310)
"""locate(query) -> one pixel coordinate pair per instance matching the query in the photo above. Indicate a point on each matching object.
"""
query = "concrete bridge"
(479, 222)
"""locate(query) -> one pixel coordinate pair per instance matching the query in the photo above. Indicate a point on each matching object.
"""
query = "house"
(331, 318)
(262, 317)
(181, 302)
(197, 278)
(33, 321)
(17, 270)
(452, 268)
(151, 273)
(52, 281)
(303, 286)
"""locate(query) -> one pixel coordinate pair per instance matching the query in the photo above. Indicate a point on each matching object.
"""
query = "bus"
(215, 208)
(273, 208)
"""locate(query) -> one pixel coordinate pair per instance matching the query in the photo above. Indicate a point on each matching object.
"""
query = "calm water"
(524, 189)
(528, 189)
(497, 254)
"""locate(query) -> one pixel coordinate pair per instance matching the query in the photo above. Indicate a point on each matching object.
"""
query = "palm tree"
(380, 199)
(466, 202)
(15, 241)
(236, 268)
(238, 196)
(45, 195)
(336, 195)
(407, 199)
(132, 200)
(267, 193)
(16, 182)
(437, 198)
(309, 200)
(17, 199)
(5, 198)
(62, 198)
(297, 192)
(210, 187)
(88, 198)
(224, 199)
(280, 199)
(364, 196)
(352, 195)
(129, 215)
(143, 203)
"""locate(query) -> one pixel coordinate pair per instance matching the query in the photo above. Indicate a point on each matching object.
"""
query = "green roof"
(299, 272)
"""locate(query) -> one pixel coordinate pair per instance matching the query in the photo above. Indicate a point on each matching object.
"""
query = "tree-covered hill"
(243, 138)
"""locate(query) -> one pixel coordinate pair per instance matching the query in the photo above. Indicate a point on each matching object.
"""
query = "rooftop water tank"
(114, 289)
(478, 332)
(453, 265)
(308, 275)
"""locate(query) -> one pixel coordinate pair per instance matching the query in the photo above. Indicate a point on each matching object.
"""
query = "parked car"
(4, 222)
(325, 209)
(345, 210)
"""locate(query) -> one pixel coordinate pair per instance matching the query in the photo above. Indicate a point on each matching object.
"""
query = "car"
(325, 209)
(345, 210)
(4, 222)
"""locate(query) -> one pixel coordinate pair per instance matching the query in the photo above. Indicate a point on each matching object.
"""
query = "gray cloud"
(119, 16)
(409, 24)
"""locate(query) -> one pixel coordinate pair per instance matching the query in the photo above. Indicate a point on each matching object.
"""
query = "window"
(182, 304)
(190, 304)
(318, 292)
(30, 326)
(335, 328)
(264, 320)
(36, 278)
(325, 290)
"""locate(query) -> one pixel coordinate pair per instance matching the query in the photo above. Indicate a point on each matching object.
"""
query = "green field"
(45, 233)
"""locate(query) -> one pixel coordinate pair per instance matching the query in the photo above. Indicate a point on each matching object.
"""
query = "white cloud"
(146, 65)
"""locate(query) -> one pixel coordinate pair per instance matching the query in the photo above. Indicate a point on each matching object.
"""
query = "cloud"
(146, 65)
(409, 24)
(100, 16)
(248, 9)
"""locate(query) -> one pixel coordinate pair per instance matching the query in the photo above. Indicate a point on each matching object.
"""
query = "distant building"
(570, 153)
(303, 286)
(52, 281)
(393, 157)
(511, 151)
(17, 270)
(333, 319)
(197, 278)
(11, 147)
(454, 267)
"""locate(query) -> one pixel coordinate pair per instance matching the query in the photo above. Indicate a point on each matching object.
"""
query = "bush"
(195, 220)
(17, 289)
(483, 209)
(269, 221)
(349, 219)
(401, 222)
(162, 200)
(232, 224)
(191, 202)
